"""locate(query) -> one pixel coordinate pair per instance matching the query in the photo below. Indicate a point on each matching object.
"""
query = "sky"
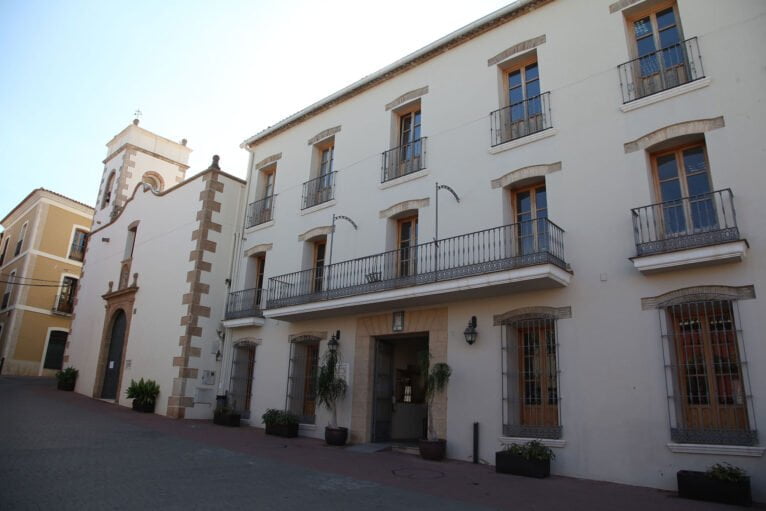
(73, 73)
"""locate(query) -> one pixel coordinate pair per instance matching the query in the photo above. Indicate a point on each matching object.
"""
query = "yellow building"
(41, 252)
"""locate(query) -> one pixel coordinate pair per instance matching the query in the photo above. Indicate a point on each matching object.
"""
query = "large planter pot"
(433, 450)
(227, 419)
(143, 406)
(700, 486)
(65, 385)
(508, 463)
(335, 436)
(284, 430)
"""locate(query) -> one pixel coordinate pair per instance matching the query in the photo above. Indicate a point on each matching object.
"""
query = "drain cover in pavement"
(417, 473)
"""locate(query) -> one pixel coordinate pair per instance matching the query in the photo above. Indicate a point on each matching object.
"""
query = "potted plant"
(721, 483)
(532, 459)
(226, 415)
(66, 378)
(280, 423)
(331, 388)
(144, 395)
(433, 447)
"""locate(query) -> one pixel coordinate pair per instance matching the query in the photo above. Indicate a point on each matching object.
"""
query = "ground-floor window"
(530, 378)
(302, 379)
(54, 355)
(707, 386)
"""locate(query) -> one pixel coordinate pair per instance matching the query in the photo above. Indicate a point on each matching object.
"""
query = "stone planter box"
(283, 430)
(507, 463)
(700, 486)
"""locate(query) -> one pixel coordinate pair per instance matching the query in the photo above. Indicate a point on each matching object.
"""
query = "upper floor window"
(530, 218)
(408, 155)
(77, 249)
(525, 108)
(321, 187)
(261, 211)
(8, 290)
(318, 274)
(65, 301)
(22, 235)
(406, 244)
(661, 57)
(5, 250)
(130, 242)
(710, 399)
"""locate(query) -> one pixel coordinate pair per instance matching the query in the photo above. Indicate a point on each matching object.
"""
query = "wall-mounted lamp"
(333, 343)
(470, 331)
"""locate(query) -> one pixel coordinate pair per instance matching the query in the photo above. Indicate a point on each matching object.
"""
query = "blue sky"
(74, 72)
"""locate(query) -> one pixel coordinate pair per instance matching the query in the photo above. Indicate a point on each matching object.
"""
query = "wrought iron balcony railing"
(660, 70)
(77, 251)
(245, 304)
(501, 248)
(520, 119)
(64, 303)
(260, 211)
(697, 221)
(319, 190)
(403, 160)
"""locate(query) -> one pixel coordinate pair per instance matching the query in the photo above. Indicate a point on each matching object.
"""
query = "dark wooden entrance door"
(114, 356)
(383, 392)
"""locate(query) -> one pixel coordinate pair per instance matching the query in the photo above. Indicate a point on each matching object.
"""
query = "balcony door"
(260, 265)
(318, 274)
(660, 52)
(407, 240)
(683, 187)
(410, 145)
(525, 113)
(531, 212)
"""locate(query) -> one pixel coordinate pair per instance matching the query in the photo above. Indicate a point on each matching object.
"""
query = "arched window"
(108, 191)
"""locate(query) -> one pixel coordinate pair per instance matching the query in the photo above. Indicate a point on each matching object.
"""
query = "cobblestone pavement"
(60, 450)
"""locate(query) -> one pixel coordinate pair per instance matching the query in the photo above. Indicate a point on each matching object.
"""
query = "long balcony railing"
(77, 251)
(319, 190)
(697, 221)
(660, 70)
(64, 303)
(501, 248)
(245, 304)
(260, 211)
(520, 119)
(403, 160)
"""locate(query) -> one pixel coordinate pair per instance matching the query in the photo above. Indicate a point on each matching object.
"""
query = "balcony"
(319, 190)
(661, 70)
(77, 251)
(260, 211)
(511, 258)
(520, 119)
(64, 304)
(244, 308)
(692, 231)
(403, 160)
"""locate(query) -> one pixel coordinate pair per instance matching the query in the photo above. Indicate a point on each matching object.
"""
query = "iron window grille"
(530, 378)
(319, 190)
(403, 160)
(661, 70)
(245, 304)
(242, 374)
(302, 378)
(706, 374)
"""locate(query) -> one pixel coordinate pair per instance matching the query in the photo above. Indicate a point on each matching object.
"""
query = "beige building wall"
(44, 260)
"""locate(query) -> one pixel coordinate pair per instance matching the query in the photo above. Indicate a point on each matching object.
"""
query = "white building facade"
(608, 240)
(150, 301)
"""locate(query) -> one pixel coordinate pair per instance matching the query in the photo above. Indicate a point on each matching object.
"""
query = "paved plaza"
(60, 450)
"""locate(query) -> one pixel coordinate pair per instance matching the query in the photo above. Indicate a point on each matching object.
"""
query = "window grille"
(530, 378)
(301, 379)
(706, 374)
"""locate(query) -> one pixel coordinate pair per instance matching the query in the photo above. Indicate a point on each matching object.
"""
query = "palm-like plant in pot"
(437, 377)
(331, 388)
(144, 395)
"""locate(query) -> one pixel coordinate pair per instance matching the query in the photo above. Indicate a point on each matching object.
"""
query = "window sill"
(548, 442)
(259, 227)
(534, 137)
(317, 207)
(666, 94)
(718, 450)
(404, 179)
